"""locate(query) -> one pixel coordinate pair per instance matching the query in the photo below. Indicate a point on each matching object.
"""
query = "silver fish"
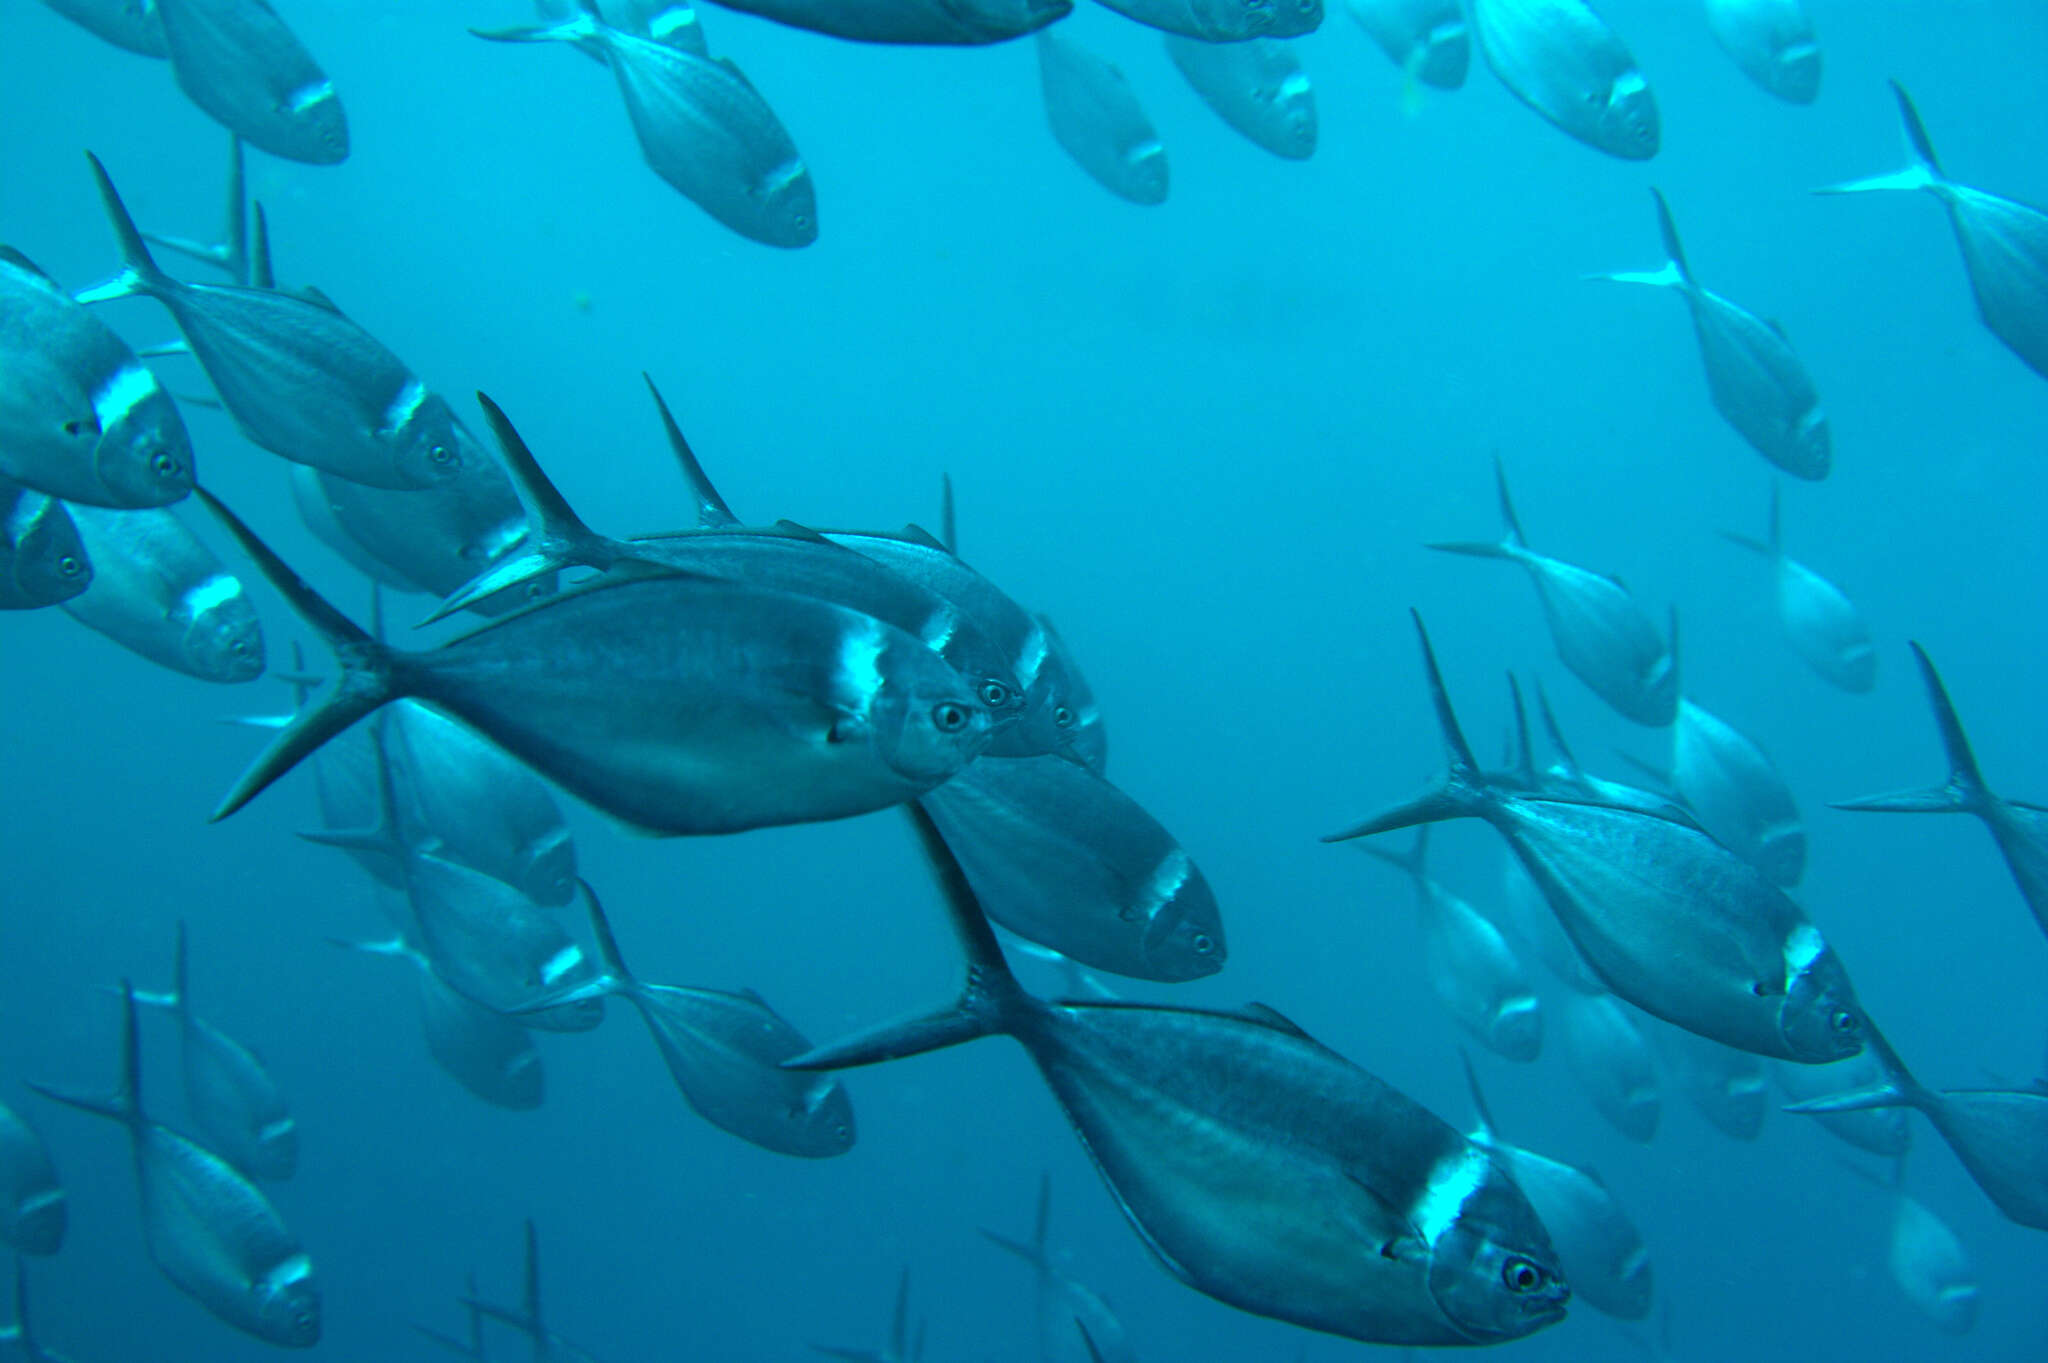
(1096, 119)
(951, 23)
(80, 416)
(1825, 628)
(33, 1210)
(229, 1095)
(1260, 1167)
(1879, 1130)
(672, 23)
(1727, 1087)
(1602, 635)
(238, 62)
(724, 1053)
(1562, 60)
(1473, 971)
(1672, 921)
(1565, 778)
(1058, 855)
(1224, 21)
(1602, 1252)
(1773, 42)
(1736, 794)
(1428, 39)
(901, 1347)
(129, 24)
(42, 559)
(1257, 87)
(1062, 1302)
(1528, 921)
(2018, 827)
(209, 1230)
(487, 1053)
(702, 127)
(1613, 1064)
(548, 1346)
(299, 379)
(2004, 243)
(675, 704)
(1931, 1267)
(1756, 381)
(161, 594)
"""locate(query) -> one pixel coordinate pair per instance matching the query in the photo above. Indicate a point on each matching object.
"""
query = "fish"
(1224, 21)
(2019, 827)
(1602, 1252)
(1727, 1087)
(1096, 119)
(724, 1052)
(1564, 777)
(232, 254)
(298, 378)
(1882, 1131)
(1257, 87)
(209, 1230)
(472, 1345)
(1060, 856)
(249, 73)
(900, 1349)
(1061, 1302)
(1774, 43)
(674, 704)
(1737, 794)
(1474, 972)
(1670, 920)
(702, 127)
(548, 1346)
(1428, 39)
(162, 595)
(2004, 242)
(22, 1333)
(1827, 631)
(129, 24)
(489, 1054)
(42, 559)
(1526, 919)
(1561, 59)
(2000, 1135)
(1613, 1064)
(1928, 1263)
(33, 1208)
(81, 417)
(1259, 1167)
(1756, 380)
(672, 23)
(1602, 635)
(946, 23)
(230, 1097)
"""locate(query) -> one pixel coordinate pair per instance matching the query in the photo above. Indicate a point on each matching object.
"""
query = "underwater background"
(1208, 440)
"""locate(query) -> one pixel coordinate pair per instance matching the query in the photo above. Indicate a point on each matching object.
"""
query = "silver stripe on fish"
(276, 1130)
(295, 1269)
(306, 96)
(1144, 152)
(860, 663)
(1031, 656)
(403, 405)
(35, 1202)
(1452, 1182)
(123, 389)
(1295, 84)
(212, 592)
(1626, 84)
(1167, 878)
(561, 963)
(1802, 949)
(940, 627)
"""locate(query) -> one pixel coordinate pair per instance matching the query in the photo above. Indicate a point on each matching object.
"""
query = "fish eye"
(1203, 944)
(1844, 1022)
(70, 565)
(240, 648)
(164, 463)
(950, 718)
(839, 1131)
(439, 454)
(801, 222)
(994, 694)
(1521, 1276)
(1063, 716)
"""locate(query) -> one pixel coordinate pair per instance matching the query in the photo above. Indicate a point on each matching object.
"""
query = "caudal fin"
(124, 1104)
(231, 252)
(1923, 173)
(1478, 1099)
(1673, 273)
(1667, 231)
(366, 681)
(711, 508)
(581, 29)
(1035, 1252)
(1462, 793)
(1510, 543)
(1899, 1089)
(1773, 544)
(139, 272)
(1964, 792)
(607, 944)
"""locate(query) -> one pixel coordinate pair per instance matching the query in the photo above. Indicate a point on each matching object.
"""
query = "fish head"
(36, 1224)
(50, 562)
(1492, 1269)
(420, 431)
(789, 205)
(1145, 176)
(549, 874)
(1295, 103)
(1515, 1028)
(1626, 117)
(307, 120)
(1183, 937)
(821, 1120)
(287, 1303)
(223, 639)
(1819, 1020)
(144, 455)
(1794, 72)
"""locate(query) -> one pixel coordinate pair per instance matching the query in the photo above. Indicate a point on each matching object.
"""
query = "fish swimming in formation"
(1882, 1131)
(1260, 1167)
(1673, 922)
(1613, 1064)
(299, 379)
(1602, 1252)
(81, 417)
(548, 1346)
(901, 1347)
(42, 558)
(1224, 21)
(1562, 60)
(129, 24)
(209, 1230)
(1928, 1263)
(1773, 42)
(1062, 1302)
(946, 23)
(1757, 383)
(672, 23)
(1825, 628)
(1257, 87)
(1565, 778)
(161, 594)
(1096, 119)
(1602, 635)
(1726, 1086)
(1473, 971)
(1428, 39)
(32, 1204)
(238, 62)
(2004, 243)
(229, 1095)
(702, 127)
(2020, 828)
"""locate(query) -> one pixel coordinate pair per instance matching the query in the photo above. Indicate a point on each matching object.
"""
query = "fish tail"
(1033, 1253)
(262, 270)
(1414, 861)
(1964, 792)
(1550, 729)
(711, 507)
(580, 29)
(395, 946)
(139, 271)
(607, 944)
(367, 679)
(1925, 170)
(1668, 230)
(1478, 1098)
(1772, 544)
(1916, 133)
(991, 1003)
(1461, 794)
(1667, 276)
(124, 1104)
(529, 1298)
(1512, 537)
(1857, 1100)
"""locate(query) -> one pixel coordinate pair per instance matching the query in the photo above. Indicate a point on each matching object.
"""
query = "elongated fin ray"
(1461, 793)
(1964, 792)
(1667, 230)
(711, 507)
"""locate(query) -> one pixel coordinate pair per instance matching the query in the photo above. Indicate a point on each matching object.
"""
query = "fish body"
(1526, 916)
(1827, 631)
(238, 62)
(161, 594)
(81, 417)
(1428, 39)
(129, 24)
(1063, 1302)
(947, 23)
(487, 1053)
(1562, 60)
(1058, 855)
(1727, 1087)
(1257, 87)
(1613, 1064)
(1931, 1267)
(1096, 119)
(1224, 21)
(1736, 794)
(1756, 381)
(1773, 42)
(33, 1210)
(42, 559)
(673, 23)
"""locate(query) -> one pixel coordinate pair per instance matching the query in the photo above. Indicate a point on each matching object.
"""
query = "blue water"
(1208, 439)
